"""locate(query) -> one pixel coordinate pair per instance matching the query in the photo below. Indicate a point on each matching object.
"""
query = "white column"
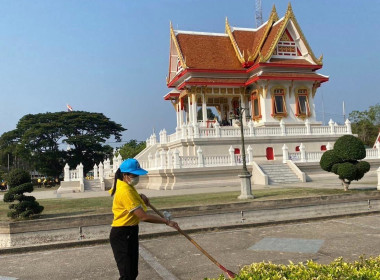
(177, 162)
(150, 161)
(308, 128)
(200, 157)
(163, 159)
(81, 177)
(114, 164)
(378, 149)
(378, 178)
(195, 115)
(204, 110)
(189, 110)
(303, 153)
(119, 161)
(250, 154)
(169, 159)
(101, 171)
(329, 146)
(96, 172)
(285, 153)
(177, 111)
(251, 128)
(348, 126)
(66, 172)
(217, 129)
(232, 156)
(332, 127)
(180, 112)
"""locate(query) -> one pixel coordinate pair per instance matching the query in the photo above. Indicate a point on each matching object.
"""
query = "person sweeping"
(129, 208)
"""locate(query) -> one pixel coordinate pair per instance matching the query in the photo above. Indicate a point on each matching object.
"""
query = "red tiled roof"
(270, 38)
(208, 52)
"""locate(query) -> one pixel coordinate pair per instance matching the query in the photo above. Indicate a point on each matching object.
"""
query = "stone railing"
(102, 171)
(304, 156)
(195, 131)
(172, 160)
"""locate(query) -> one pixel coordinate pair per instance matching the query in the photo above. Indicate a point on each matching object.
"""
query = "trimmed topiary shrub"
(343, 160)
(19, 182)
(368, 269)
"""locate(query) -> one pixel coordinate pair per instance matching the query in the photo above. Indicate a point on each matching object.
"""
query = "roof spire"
(227, 25)
(273, 14)
(289, 10)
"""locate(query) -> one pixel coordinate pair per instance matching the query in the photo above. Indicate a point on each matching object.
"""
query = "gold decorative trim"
(290, 16)
(315, 86)
(272, 19)
(233, 41)
(174, 38)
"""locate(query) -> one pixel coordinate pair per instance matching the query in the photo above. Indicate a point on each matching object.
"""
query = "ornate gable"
(286, 40)
(176, 60)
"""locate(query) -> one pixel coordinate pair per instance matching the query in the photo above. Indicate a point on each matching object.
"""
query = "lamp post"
(245, 177)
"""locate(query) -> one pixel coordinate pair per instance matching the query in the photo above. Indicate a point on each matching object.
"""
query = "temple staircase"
(92, 185)
(279, 173)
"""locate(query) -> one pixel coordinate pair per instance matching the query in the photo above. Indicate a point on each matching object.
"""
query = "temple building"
(268, 77)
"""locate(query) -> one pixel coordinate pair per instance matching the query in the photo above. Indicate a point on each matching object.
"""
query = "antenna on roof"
(258, 13)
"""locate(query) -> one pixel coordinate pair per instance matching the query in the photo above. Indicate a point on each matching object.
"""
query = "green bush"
(328, 159)
(349, 147)
(17, 177)
(20, 182)
(343, 160)
(363, 269)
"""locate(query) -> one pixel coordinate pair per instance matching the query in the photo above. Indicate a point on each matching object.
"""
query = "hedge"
(363, 269)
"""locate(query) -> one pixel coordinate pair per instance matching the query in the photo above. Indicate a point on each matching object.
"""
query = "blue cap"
(132, 166)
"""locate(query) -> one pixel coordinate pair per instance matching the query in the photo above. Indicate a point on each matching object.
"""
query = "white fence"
(172, 159)
(304, 156)
(191, 131)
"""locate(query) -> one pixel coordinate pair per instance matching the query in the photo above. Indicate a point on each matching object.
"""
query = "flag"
(69, 108)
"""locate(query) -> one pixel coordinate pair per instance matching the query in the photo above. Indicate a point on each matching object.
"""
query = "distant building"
(269, 71)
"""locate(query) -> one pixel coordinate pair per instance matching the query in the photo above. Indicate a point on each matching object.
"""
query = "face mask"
(134, 181)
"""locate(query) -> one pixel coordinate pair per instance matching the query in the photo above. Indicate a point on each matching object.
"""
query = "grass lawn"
(59, 207)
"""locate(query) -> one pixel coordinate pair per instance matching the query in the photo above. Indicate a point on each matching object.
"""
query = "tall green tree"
(39, 140)
(131, 149)
(366, 124)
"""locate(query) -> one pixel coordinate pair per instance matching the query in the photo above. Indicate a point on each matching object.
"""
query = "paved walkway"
(175, 258)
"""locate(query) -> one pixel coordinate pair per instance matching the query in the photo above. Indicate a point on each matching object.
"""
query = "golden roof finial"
(226, 25)
(320, 59)
(273, 14)
(289, 10)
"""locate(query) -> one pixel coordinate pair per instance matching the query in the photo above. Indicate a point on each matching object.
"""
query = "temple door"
(270, 155)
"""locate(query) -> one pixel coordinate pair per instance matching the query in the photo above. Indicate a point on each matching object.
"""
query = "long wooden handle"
(192, 241)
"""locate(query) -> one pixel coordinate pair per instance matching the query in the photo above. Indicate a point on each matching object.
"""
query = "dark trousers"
(125, 246)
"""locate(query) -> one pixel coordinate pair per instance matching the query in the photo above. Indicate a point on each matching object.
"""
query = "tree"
(210, 115)
(131, 149)
(366, 124)
(19, 182)
(344, 160)
(38, 140)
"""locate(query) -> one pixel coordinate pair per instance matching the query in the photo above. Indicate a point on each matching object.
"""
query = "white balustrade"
(371, 153)
(216, 160)
(188, 161)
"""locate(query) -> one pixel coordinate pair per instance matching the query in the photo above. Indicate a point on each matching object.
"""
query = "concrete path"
(174, 257)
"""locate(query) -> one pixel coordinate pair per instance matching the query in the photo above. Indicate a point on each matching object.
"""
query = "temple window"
(278, 103)
(286, 46)
(255, 101)
(302, 103)
(179, 65)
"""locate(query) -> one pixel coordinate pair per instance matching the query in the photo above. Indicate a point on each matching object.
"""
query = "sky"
(111, 56)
